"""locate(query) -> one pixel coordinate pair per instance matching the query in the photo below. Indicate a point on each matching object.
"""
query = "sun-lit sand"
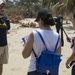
(19, 66)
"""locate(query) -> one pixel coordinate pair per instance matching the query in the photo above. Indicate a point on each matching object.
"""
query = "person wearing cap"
(45, 21)
(4, 27)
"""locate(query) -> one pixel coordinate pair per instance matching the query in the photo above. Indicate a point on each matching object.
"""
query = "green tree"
(70, 5)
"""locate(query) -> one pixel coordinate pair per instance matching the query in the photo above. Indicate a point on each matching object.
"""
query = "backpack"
(48, 62)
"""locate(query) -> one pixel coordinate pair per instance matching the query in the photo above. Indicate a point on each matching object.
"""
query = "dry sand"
(19, 66)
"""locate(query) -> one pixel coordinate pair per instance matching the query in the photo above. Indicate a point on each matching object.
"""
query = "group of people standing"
(45, 20)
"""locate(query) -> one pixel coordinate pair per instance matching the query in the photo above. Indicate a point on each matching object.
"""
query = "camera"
(58, 19)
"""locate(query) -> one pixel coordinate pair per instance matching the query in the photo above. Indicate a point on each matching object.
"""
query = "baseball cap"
(2, 4)
(41, 13)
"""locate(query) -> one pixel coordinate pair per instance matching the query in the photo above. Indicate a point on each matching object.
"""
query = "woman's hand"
(24, 40)
(68, 39)
(67, 64)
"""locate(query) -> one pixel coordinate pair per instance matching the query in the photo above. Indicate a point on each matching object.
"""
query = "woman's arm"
(28, 46)
(71, 58)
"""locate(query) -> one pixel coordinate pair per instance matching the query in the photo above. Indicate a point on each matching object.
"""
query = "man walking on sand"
(4, 26)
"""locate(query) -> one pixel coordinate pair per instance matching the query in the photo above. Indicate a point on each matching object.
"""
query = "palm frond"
(58, 8)
(70, 5)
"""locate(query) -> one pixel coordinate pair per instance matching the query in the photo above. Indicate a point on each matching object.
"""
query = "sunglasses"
(1, 7)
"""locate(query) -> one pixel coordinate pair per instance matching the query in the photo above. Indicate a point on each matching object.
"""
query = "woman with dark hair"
(45, 21)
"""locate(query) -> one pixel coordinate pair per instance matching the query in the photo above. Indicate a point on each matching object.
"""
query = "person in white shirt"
(45, 21)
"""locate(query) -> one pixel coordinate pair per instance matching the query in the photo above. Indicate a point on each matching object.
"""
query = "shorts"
(4, 54)
(33, 73)
(73, 70)
(36, 73)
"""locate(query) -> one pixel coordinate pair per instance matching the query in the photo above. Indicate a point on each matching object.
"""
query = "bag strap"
(34, 53)
(41, 38)
(44, 41)
(45, 44)
(57, 43)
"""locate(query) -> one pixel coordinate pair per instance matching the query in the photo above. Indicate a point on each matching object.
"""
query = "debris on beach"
(31, 24)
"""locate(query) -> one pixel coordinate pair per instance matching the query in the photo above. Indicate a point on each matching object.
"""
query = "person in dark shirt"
(4, 27)
(59, 26)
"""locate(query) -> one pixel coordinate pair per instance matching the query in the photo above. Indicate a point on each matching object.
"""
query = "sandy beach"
(19, 66)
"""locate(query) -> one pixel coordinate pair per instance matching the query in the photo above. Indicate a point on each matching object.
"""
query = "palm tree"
(55, 5)
(48, 3)
(70, 5)
(60, 6)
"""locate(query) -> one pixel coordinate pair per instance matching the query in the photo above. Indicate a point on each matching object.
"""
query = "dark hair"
(48, 19)
(45, 16)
